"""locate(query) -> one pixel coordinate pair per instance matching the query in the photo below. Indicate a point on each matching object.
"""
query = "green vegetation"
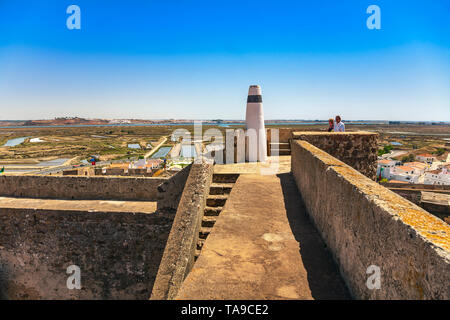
(408, 158)
(386, 149)
(111, 142)
(439, 151)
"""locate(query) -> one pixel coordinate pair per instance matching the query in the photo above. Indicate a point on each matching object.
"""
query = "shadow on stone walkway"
(323, 275)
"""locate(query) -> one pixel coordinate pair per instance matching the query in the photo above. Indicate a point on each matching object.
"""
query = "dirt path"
(151, 152)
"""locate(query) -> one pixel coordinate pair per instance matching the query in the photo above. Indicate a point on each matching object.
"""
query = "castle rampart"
(364, 224)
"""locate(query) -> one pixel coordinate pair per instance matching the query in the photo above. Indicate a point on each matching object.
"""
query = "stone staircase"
(283, 148)
(218, 194)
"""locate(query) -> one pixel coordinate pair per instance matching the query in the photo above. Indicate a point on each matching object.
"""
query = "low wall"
(169, 192)
(178, 257)
(411, 195)
(118, 253)
(428, 187)
(83, 171)
(81, 187)
(357, 149)
(108, 172)
(365, 224)
(114, 172)
(71, 172)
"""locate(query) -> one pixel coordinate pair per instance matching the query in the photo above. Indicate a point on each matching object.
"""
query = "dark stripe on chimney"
(254, 98)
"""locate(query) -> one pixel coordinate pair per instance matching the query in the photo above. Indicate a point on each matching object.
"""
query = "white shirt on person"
(339, 127)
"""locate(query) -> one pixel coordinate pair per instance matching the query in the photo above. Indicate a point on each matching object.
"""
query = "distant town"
(409, 152)
(67, 121)
(424, 169)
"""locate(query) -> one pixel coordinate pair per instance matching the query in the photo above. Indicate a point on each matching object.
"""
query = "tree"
(386, 149)
(409, 158)
(439, 152)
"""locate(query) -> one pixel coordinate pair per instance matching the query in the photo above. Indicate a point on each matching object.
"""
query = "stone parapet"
(81, 187)
(366, 226)
(357, 149)
(178, 257)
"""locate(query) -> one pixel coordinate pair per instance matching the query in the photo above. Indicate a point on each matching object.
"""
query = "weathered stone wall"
(365, 224)
(115, 172)
(108, 172)
(178, 257)
(410, 195)
(118, 253)
(413, 193)
(71, 172)
(357, 149)
(169, 192)
(81, 187)
(84, 171)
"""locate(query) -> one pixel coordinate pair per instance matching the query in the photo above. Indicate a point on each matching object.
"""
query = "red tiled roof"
(427, 155)
(397, 181)
(404, 168)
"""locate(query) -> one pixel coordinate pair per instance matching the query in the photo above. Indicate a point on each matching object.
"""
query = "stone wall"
(365, 224)
(71, 172)
(118, 253)
(83, 171)
(416, 186)
(413, 193)
(178, 257)
(357, 149)
(108, 172)
(410, 195)
(169, 192)
(81, 187)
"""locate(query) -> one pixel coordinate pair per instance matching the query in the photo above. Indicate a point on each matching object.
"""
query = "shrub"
(439, 152)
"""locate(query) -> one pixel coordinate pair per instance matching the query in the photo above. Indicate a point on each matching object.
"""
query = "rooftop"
(426, 155)
(404, 168)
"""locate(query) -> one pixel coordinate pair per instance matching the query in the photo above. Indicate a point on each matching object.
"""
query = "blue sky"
(195, 59)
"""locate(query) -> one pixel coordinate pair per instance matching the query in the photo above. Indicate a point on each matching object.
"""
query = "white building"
(256, 144)
(437, 177)
(426, 157)
(384, 167)
(418, 167)
(404, 173)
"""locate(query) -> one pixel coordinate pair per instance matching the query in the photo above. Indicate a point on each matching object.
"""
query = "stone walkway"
(79, 205)
(281, 164)
(263, 246)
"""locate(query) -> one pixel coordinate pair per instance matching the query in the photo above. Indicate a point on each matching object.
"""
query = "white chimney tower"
(254, 119)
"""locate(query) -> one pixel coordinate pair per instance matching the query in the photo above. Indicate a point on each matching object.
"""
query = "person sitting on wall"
(330, 124)
(339, 126)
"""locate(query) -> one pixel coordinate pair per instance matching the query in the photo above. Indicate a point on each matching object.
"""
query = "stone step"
(209, 221)
(200, 244)
(204, 232)
(220, 188)
(216, 200)
(281, 152)
(280, 145)
(212, 211)
(197, 254)
(225, 177)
